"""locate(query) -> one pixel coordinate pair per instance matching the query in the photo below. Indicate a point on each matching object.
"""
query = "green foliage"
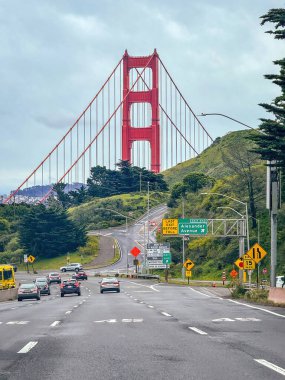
(271, 144)
(4, 225)
(49, 233)
(91, 248)
(239, 291)
(110, 212)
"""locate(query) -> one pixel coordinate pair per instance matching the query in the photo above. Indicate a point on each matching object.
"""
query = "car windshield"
(41, 280)
(54, 274)
(111, 279)
(69, 282)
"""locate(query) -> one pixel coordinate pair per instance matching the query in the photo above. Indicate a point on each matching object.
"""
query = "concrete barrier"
(277, 295)
(8, 295)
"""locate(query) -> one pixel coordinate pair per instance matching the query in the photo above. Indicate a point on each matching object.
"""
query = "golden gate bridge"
(139, 115)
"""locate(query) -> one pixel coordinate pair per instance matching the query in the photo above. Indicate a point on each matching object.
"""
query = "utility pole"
(147, 212)
(183, 243)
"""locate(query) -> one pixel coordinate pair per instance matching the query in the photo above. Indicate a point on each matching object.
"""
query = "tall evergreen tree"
(47, 232)
(271, 144)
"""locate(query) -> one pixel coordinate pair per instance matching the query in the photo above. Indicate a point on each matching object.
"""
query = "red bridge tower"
(148, 133)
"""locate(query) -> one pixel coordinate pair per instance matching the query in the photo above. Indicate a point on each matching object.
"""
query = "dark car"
(70, 286)
(28, 291)
(43, 285)
(14, 266)
(81, 275)
(54, 277)
(109, 284)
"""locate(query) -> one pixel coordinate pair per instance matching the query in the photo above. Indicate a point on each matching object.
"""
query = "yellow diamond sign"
(31, 259)
(256, 253)
(188, 264)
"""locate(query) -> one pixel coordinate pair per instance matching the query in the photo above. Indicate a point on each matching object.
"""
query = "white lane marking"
(223, 320)
(137, 320)
(55, 323)
(68, 312)
(141, 302)
(147, 286)
(271, 366)
(75, 306)
(106, 320)
(135, 299)
(142, 291)
(17, 323)
(127, 320)
(203, 294)
(166, 314)
(248, 319)
(1, 323)
(13, 308)
(27, 347)
(258, 308)
(150, 306)
(198, 331)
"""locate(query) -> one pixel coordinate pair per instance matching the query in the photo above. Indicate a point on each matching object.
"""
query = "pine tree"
(271, 144)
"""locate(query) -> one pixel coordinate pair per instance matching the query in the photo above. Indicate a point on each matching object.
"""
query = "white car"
(279, 281)
(76, 267)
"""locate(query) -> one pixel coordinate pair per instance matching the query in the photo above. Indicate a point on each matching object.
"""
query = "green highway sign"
(166, 258)
(192, 226)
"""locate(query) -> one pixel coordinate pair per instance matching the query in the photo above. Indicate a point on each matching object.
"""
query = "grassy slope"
(213, 255)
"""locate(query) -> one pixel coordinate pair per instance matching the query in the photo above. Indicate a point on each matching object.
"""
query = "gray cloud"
(55, 55)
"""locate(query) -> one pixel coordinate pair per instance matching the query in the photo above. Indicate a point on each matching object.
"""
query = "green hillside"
(238, 173)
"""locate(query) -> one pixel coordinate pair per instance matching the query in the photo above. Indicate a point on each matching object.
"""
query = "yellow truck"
(7, 277)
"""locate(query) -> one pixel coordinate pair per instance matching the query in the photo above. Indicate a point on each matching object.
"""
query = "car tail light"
(35, 289)
(61, 285)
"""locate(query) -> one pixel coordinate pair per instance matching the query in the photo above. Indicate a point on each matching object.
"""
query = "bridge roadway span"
(148, 331)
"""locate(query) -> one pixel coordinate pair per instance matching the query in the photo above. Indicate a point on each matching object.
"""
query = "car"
(81, 275)
(108, 284)
(71, 267)
(280, 282)
(70, 286)
(43, 285)
(14, 266)
(54, 277)
(28, 291)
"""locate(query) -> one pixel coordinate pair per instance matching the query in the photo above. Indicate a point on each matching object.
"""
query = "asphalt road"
(148, 331)
(138, 234)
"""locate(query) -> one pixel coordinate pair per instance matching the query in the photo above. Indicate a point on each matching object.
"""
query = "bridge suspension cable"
(96, 136)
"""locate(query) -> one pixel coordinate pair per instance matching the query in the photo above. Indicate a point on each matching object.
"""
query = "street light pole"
(241, 240)
(183, 243)
(147, 212)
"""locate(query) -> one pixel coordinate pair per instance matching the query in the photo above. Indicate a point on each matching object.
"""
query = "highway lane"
(138, 234)
(147, 331)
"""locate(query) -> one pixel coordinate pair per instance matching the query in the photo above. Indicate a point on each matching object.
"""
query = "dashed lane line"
(272, 366)
(166, 314)
(197, 330)
(68, 312)
(27, 347)
(55, 323)
(17, 323)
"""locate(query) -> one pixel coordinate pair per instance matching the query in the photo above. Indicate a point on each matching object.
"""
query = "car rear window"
(27, 286)
(53, 274)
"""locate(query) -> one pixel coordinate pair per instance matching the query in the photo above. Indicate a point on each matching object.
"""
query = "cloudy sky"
(55, 54)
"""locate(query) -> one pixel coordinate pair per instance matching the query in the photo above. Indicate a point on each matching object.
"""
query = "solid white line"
(197, 330)
(271, 366)
(166, 314)
(127, 320)
(55, 323)
(68, 312)
(27, 347)
(203, 294)
(258, 308)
